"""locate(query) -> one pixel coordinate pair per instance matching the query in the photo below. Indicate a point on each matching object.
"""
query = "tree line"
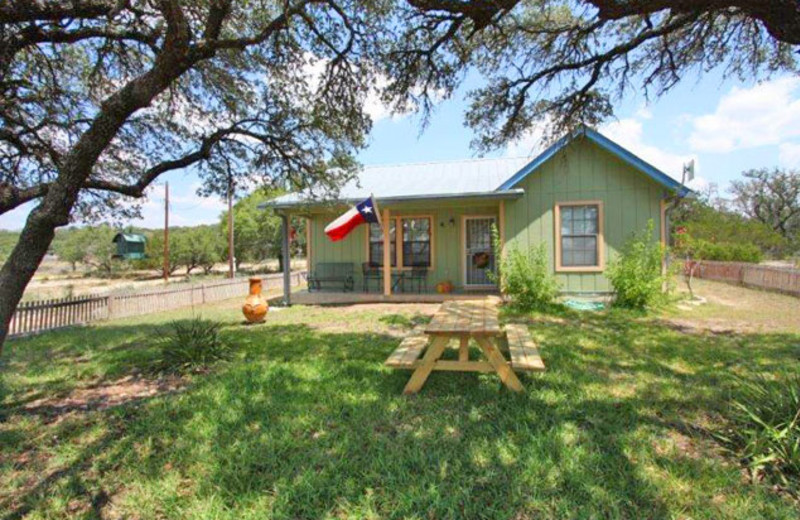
(193, 249)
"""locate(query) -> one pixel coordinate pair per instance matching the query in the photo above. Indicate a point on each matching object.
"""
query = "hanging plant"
(481, 260)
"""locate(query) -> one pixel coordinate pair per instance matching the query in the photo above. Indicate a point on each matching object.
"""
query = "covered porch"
(422, 245)
(304, 297)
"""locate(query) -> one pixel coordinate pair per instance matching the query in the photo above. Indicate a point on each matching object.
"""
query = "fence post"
(110, 306)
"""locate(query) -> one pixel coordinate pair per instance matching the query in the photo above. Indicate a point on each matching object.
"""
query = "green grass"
(305, 422)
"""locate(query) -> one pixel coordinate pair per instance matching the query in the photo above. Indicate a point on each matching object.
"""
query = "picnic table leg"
(507, 376)
(463, 349)
(420, 375)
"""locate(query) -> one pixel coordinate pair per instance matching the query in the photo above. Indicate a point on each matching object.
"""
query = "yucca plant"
(764, 429)
(192, 344)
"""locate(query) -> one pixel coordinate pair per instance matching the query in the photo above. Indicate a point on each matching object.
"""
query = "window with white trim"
(580, 235)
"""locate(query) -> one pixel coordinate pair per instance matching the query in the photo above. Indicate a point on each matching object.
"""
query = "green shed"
(130, 246)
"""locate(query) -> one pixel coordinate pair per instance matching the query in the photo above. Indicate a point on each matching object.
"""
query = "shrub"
(636, 273)
(526, 277)
(764, 430)
(192, 344)
(727, 252)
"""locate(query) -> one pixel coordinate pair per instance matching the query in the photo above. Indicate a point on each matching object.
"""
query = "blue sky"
(725, 125)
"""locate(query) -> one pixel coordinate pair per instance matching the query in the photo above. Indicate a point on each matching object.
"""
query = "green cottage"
(130, 246)
(582, 197)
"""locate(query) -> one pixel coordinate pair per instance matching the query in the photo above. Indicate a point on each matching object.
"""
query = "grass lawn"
(305, 422)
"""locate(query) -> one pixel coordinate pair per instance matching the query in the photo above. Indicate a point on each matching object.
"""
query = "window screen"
(579, 236)
(376, 244)
(416, 242)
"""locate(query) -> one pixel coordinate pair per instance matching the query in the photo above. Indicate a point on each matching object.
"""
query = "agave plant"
(192, 344)
(764, 429)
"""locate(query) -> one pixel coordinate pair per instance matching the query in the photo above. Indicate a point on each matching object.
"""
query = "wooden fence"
(38, 316)
(771, 278)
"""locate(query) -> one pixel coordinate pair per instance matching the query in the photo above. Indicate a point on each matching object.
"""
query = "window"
(410, 239)
(579, 235)
(376, 244)
(416, 242)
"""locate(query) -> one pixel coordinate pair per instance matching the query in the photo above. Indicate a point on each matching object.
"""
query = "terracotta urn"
(255, 306)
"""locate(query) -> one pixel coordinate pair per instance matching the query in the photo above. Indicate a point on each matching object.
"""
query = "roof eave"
(608, 145)
(496, 195)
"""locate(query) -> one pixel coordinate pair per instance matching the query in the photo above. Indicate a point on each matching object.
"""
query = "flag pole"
(377, 210)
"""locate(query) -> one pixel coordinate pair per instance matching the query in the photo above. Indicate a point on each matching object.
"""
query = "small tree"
(636, 274)
(525, 278)
(91, 245)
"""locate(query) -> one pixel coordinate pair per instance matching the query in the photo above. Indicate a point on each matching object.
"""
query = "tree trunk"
(56, 206)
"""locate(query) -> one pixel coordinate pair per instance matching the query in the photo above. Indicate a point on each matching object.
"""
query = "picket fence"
(779, 279)
(37, 316)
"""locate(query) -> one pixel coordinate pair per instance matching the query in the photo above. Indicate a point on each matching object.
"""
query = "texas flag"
(362, 212)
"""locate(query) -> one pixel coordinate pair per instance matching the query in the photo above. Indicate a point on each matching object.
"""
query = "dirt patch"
(104, 395)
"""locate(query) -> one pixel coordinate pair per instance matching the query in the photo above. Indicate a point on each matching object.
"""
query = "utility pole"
(231, 273)
(166, 232)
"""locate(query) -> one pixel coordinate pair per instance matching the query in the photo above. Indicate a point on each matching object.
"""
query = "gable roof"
(130, 237)
(494, 177)
(605, 143)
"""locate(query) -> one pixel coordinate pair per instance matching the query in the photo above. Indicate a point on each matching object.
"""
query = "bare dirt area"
(56, 279)
(103, 395)
(735, 309)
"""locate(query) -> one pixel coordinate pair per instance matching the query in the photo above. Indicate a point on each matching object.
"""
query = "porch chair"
(371, 272)
(418, 275)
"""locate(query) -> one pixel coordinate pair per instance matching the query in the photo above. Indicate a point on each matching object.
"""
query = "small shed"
(130, 246)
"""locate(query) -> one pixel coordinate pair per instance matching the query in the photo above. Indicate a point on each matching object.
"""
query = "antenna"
(688, 172)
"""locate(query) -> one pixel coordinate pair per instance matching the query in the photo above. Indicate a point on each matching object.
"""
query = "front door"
(478, 251)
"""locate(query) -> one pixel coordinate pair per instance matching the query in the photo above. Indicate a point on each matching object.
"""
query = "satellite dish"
(688, 172)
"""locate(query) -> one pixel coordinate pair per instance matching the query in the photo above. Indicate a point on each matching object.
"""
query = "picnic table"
(464, 320)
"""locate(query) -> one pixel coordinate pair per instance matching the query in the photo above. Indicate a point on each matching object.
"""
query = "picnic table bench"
(331, 272)
(465, 320)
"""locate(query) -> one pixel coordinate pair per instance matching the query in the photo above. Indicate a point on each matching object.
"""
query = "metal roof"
(494, 178)
(449, 179)
(130, 237)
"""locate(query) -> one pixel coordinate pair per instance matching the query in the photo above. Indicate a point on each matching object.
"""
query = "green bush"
(526, 278)
(727, 252)
(636, 274)
(192, 344)
(764, 429)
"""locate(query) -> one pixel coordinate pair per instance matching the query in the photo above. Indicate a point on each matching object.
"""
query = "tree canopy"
(567, 62)
(771, 197)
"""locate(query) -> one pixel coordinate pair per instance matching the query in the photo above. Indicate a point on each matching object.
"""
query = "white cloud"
(789, 155)
(186, 207)
(531, 143)
(766, 114)
(644, 112)
(628, 133)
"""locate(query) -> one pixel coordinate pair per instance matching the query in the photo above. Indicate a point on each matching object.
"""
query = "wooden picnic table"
(462, 320)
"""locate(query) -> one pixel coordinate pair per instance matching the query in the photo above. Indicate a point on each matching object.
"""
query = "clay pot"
(255, 306)
(444, 287)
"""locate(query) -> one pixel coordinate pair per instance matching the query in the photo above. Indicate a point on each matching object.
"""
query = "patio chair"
(371, 272)
(418, 276)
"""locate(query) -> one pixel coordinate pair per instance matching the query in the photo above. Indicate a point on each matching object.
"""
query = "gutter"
(492, 195)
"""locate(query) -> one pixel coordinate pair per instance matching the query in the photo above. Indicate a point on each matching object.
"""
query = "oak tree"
(98, 98)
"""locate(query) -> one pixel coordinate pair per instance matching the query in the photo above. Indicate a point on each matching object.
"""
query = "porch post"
(287, 266)
(501, 226)
(387, 257)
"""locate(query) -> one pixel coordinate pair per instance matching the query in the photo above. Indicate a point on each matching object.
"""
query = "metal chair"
(371, 272)
(418, 275)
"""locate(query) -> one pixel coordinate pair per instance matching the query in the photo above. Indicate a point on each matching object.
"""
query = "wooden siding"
(584, 171)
